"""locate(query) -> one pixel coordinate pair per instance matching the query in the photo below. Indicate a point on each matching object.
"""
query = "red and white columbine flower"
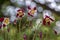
(4, 21)
(20, 13)
(32, 11)
(47, 17)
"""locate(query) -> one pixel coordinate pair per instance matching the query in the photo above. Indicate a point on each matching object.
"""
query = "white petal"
(47, 12)
(17, 8)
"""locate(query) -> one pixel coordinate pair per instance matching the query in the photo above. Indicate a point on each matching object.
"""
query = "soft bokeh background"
(16, 33)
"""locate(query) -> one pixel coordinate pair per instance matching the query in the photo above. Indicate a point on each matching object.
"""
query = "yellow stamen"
(6, 21)
(20, 13)
(32, 11)
(47, 20)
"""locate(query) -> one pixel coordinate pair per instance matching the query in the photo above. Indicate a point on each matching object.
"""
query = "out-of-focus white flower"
(50, 1)
(38, 21)
(28, 2)
(57, 27)
(37, 25)
(57, 8)
(42, 1)
(57, 1)
(11, 11)
(52, 5)
(33, 4)
(18, 3)
(58, 23)
(12, 18)
(8, 11)
(40, 9)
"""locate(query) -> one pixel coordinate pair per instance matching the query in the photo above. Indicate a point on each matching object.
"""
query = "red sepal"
(44, 22)
(30, 14)
(4, 25)
(34, 8)
(29, 7)
(1, 19)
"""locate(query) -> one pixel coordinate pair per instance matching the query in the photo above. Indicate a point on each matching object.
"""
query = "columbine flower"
(20, 13)
(32, 12)
(6, 21)
(46, 17)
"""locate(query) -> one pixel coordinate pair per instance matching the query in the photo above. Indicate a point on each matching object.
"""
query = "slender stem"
(19, 24)
(34, 36)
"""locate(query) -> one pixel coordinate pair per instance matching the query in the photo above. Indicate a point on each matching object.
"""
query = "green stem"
(19, 25)
(34, 36)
